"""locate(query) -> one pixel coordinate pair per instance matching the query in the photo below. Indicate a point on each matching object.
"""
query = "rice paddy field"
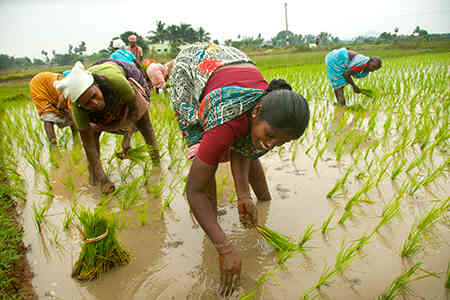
(360, 202)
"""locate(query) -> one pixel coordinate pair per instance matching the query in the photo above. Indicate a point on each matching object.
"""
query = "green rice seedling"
(431, 177)
(421, 228)
(368, 92)
(325, 277)
(166, 202)
(418, 160)
(355, 199)
(68, 217)
(325, 225)
(399, 287)
(338, 149)
(138, 154)
(387, 126)
(306, 237)
(54, 155)
(347, 253)
(340, 183)
(319, 154)
(382, 172)
(398, 167)
(47, 183)
(279, 241)
(357, 142)
(391, 209)
(284, 244)
(39, 214)
(100, 251)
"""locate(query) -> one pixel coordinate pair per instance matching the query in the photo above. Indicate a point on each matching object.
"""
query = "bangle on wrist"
(225, 247)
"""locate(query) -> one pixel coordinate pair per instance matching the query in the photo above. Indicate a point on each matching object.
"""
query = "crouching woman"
(110, 96)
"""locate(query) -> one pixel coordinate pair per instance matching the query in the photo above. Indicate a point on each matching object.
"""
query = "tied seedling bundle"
(101, 251)
(281, 242)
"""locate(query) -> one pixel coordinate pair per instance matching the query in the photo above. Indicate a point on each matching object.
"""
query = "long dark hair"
(284, 109)
(113, 103)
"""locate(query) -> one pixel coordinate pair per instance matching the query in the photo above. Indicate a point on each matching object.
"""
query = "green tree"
(23, 62)
(80, 48)
(45, 54)
(6, 61)
(38, 62)
(420, 32)
(159, 35)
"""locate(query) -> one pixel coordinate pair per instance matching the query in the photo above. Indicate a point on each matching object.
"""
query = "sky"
(29, 26)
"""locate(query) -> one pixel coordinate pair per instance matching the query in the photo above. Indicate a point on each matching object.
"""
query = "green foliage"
(399, 287)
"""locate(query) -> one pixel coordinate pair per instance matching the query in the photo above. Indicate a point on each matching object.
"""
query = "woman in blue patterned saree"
(342, 64)
(227, 112)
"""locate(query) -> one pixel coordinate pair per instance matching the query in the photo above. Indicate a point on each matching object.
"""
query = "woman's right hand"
(356, 89)
(248, 214)
(230, 270)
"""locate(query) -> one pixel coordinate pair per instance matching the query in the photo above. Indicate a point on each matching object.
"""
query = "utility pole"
(285, 14)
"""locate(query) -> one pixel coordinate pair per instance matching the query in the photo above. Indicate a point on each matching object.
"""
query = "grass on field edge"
(15, 274)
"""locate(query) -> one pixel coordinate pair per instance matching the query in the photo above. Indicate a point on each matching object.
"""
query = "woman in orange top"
(50, 104)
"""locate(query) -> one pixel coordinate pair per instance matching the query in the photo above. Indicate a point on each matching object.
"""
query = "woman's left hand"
(248, 214)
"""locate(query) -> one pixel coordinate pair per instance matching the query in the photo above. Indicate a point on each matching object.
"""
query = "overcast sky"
(29, 26)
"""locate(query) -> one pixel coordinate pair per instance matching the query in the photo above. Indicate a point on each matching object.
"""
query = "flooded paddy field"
(368, 182)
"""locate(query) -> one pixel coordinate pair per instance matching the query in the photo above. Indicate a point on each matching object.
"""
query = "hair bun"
(278, 84)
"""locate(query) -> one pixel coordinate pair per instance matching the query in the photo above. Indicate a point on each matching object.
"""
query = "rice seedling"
(166, 202)
(100, 251)
(355, 199)
(68, 217)
(399, 287)
(418, 160)
(306, 237)
(325, 278)
(340, 183)
(266, 276)
(421, 228)
(284, 244)
(319, 154)
(347, 253)
(368, 92)
(39, 214)
(433, 175)
(382, 172)
(325, 225)
(391, 209)
(397, 168)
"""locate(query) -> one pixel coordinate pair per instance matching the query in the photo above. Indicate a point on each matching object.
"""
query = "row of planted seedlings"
(394, 150)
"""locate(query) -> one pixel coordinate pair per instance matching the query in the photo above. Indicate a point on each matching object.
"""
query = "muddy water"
(173, 259)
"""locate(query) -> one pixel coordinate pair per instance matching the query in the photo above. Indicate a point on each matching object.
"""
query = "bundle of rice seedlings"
(368, 92)
(284, 244)
(101, 251)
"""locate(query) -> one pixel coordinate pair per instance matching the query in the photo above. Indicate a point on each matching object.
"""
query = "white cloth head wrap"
(76, 83)
(118, 44)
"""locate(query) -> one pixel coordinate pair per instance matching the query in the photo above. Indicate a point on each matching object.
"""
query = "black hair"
(377, 60)
(284, 109)
(113, 104)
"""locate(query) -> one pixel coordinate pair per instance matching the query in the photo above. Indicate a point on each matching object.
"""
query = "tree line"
(178, 35)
